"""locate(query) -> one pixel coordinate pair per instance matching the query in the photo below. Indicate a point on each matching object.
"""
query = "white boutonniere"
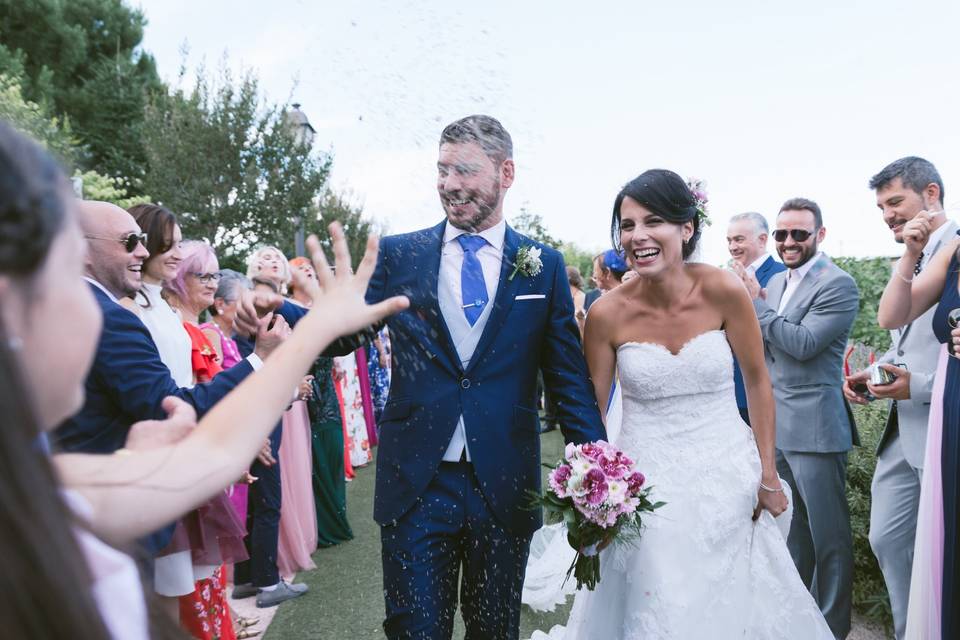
(527, 262)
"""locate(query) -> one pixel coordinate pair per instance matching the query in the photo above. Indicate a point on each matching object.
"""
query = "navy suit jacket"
(496, 394)
(127, 383)
(764, 273)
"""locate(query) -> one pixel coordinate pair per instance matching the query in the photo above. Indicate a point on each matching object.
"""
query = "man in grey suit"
(805, 315)
(903, 188)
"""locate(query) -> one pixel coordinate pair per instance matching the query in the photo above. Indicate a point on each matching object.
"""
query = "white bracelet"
(770, 489)
(896, 270)
(900, 275)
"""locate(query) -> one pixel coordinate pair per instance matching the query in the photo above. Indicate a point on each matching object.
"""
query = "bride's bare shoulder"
(716, 283)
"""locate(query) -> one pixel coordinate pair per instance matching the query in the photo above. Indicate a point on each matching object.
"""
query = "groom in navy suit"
(459, 435)
(747, 235)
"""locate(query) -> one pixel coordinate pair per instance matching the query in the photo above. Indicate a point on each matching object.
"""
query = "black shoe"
(242, 591)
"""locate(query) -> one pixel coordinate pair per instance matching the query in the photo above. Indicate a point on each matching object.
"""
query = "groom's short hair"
(484, 131)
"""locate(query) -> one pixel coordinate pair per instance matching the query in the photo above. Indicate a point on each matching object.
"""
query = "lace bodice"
(649, 372)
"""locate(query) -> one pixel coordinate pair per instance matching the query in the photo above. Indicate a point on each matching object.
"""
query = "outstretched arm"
(137, 492)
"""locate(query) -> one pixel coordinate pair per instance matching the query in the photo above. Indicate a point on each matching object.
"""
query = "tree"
(35, 120)
(531, 225)
(229, 166)
(81, 60)
(108, 189)
(336, 207)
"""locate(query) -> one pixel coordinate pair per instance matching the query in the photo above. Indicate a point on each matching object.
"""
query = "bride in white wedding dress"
(712, 563)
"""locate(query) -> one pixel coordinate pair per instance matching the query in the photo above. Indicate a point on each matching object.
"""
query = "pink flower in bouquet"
(595, 485)
(615, 464)
(635, 482)
(559, 478)
(593, 450)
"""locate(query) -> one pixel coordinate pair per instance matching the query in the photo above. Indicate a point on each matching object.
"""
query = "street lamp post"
(303, 135)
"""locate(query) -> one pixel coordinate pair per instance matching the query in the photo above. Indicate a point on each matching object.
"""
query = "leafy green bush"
(869, 590)
(871, 275)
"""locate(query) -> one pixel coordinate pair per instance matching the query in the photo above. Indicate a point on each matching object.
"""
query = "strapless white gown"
(703, 568)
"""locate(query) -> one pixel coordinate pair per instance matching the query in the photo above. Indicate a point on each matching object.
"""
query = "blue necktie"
(472, 285)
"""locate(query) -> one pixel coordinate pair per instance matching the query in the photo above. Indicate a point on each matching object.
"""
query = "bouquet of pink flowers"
(596, 491)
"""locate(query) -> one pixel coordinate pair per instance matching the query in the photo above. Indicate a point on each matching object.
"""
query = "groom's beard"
(485, 201)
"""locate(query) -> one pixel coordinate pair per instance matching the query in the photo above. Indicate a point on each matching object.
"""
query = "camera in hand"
(880, 376)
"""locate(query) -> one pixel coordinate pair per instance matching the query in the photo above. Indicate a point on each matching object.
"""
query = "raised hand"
(251, 307)
(272, 329)
(916, 233)
(339, 302)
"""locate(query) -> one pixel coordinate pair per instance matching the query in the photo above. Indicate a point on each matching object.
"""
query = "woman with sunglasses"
(174, 573)
(60, 578)
(934, 604)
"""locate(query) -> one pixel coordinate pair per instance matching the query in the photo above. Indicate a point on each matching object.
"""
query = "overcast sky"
(762, 100)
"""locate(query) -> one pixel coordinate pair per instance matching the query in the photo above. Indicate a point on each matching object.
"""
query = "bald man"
(128, 381)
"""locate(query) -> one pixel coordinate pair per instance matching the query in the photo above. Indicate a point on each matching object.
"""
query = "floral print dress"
(348, 379)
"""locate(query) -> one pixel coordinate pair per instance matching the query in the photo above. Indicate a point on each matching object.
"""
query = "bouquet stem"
(586, 569)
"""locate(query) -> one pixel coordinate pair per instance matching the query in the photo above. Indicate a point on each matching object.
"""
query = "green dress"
(329, 485)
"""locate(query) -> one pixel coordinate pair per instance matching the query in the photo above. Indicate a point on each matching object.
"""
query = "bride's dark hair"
(666, 194)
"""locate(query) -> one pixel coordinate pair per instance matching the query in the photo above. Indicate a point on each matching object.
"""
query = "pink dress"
(926, 581)
(298, 512)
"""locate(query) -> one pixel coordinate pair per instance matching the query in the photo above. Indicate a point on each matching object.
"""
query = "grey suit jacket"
(804, 352)
(916, 347)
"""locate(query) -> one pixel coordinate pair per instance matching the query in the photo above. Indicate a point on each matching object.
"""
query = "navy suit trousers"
(263, 522)
(451, 527)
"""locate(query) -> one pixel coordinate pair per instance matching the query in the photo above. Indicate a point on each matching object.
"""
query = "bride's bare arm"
(600, 352)
(133, 493)
(743, 333)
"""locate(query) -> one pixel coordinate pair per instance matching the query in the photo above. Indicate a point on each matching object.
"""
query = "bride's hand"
(773, 501)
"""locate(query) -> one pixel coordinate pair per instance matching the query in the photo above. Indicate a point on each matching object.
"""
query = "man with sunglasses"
(128, 382)
(805, 315)
(904, 189)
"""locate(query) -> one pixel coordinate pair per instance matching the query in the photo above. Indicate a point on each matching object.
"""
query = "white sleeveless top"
(116, 587)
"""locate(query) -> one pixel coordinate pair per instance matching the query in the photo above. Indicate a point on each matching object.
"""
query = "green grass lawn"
(346, 596)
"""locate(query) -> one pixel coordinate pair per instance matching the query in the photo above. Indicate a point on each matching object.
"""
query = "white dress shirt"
(451, 263)
(794, 277)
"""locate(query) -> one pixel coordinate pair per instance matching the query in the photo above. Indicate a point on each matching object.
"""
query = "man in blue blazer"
(747, 236)
(128, 382)
(459, 436)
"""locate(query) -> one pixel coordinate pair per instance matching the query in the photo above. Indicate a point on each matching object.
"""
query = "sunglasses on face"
(207, 278)
(129, 242)
(800, 235)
